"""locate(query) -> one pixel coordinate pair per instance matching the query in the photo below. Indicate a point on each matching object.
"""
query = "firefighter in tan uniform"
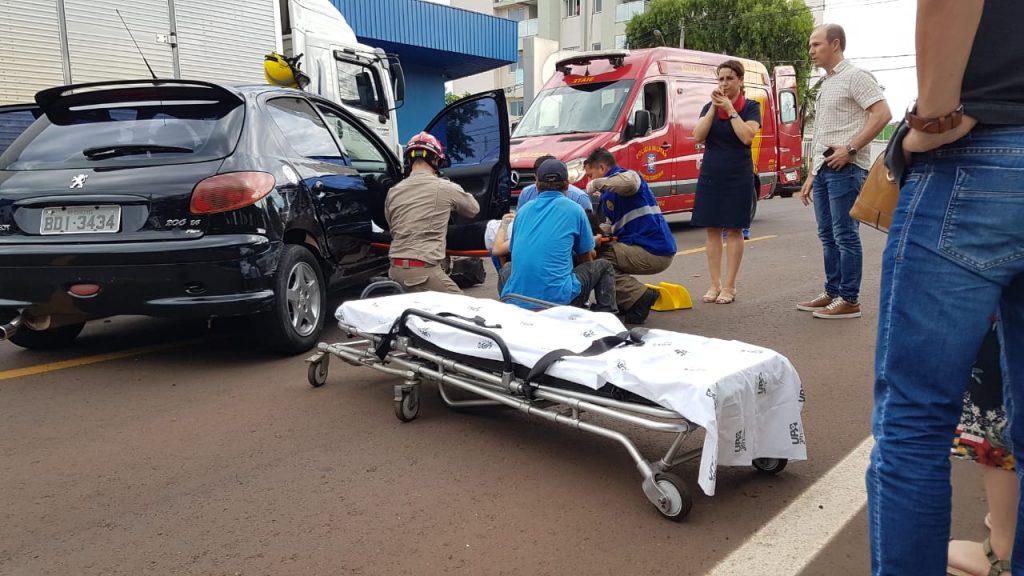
(418, 209)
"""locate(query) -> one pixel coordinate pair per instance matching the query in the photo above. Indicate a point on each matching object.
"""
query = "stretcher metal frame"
(414, 364)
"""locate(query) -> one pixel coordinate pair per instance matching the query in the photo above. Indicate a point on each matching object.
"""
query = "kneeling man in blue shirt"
(549, 231)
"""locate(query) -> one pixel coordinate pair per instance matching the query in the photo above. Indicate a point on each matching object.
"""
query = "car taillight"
(230, 191)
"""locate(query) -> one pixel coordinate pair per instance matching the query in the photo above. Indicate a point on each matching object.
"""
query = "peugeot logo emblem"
(515, 178)
(78, 181)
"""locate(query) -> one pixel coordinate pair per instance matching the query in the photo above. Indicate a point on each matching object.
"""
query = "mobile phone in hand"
(828, 152)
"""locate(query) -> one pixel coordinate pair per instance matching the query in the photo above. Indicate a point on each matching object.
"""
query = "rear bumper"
(225, 275)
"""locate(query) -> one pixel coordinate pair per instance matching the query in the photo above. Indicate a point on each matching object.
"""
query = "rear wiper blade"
(101, 152)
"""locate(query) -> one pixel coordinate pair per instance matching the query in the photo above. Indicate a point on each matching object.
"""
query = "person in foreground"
(549, 231)
(850, 111)
(954, 253)
(724, 190)
(644, 243)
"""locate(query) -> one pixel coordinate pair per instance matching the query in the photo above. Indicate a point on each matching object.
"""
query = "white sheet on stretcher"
(746, 397)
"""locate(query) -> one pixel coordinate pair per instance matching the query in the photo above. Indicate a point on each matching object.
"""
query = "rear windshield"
(127, 134)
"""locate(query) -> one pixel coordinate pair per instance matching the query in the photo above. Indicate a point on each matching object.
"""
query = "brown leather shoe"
(817, 303)
(839, 308)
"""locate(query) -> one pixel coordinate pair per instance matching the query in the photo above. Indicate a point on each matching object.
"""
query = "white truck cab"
(365, 80)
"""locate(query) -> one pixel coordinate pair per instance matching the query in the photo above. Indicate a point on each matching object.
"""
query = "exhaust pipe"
(7, 330)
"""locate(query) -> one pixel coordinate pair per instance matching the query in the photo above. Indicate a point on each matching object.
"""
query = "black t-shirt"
(993, 87)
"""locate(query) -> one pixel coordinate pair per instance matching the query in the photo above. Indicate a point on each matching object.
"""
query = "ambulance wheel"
(771, 466)
(677, 503)
(408, 407)
(317, 373)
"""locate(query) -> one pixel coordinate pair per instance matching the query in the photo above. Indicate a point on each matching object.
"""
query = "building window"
(517, 14)
(596, 46)
(620, 41)
(513, 67)
(570, 8)
(597, 6)
(515, 107)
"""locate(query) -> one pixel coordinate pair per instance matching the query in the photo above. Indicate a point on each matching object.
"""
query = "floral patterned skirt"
(982, 434)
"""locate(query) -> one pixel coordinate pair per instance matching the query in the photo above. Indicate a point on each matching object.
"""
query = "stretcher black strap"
(634, 337)
(384, 345)
(475, 319)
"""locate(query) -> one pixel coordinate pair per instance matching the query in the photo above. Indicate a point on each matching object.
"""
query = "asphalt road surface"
(163, 447)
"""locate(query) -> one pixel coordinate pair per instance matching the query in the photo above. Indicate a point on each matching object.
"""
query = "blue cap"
(552, 171)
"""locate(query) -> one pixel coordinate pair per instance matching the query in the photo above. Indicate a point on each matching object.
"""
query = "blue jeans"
(955, 254)
(834, 193)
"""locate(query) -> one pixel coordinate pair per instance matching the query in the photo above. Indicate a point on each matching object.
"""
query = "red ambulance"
(642, 105)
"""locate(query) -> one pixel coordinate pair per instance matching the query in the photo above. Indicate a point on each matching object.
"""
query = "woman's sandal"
(726, 296)
(711, 296)
(995, 566)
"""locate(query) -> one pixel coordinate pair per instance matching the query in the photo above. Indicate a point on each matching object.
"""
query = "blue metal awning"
(454, 41)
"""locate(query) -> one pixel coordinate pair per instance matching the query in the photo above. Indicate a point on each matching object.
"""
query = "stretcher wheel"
(317, 373)
(409, 406)
(770, 466)
(677, 502)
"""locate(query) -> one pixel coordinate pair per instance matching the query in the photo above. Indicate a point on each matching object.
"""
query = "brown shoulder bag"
(880, 193)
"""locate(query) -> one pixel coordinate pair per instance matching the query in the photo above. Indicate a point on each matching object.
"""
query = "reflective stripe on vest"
(633, 215)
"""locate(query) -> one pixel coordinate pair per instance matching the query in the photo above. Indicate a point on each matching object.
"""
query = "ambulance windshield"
(591, 107)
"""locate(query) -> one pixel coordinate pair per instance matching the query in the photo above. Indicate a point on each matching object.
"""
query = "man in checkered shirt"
(850, 112)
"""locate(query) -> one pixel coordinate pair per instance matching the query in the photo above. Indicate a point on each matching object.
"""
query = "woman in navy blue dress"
(726, 186)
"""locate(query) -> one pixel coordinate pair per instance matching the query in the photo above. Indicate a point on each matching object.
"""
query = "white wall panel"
(225, 41)
(30, 57)
(101, 48)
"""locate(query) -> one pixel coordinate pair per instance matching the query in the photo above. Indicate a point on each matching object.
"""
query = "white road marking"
(790, 541)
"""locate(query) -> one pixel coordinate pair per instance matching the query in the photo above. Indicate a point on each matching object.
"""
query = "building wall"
(421, 103)
(550, 20)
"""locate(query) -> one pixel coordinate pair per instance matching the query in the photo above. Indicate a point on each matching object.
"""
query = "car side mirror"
(398, 83)
(640, 125)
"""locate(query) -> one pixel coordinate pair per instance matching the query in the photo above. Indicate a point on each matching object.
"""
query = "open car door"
(14, 119)
(789, 143)
(475, 135)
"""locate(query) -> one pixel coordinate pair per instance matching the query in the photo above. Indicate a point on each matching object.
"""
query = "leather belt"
(408, 263)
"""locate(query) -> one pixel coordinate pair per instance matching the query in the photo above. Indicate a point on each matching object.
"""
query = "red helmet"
(424, 145)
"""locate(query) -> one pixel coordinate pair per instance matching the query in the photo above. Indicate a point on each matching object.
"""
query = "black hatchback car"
(185, 198)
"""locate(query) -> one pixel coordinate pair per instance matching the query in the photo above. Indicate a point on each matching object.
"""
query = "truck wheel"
(47, 339)
(297, 318)
(753, 206)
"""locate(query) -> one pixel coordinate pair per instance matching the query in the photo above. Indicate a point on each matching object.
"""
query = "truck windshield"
(577, 108)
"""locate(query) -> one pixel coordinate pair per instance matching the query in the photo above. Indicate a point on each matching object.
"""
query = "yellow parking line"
(86, 360)
(701, 249)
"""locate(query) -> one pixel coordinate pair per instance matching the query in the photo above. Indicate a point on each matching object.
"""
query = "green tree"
(773, 32)
(451, 97)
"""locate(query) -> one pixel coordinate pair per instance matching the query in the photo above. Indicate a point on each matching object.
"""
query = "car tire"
(50, 339)
(300, 302)
(753, 207)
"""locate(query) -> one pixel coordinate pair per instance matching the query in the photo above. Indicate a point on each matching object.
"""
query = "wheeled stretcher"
(585, 370)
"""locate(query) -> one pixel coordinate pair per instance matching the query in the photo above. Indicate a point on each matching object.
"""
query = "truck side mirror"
(398, 83)
(640, 125)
